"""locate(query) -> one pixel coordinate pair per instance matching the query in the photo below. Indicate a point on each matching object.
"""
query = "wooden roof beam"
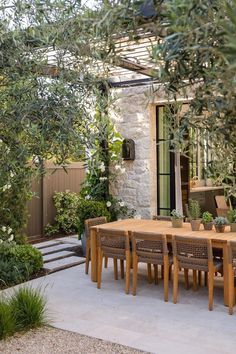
(130, 65)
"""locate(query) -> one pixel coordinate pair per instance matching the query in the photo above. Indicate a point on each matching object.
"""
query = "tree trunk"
(178, 189)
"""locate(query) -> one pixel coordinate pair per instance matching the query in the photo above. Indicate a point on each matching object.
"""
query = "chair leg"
(122, 269)
(115, 268)
(162, 272)
(106, 262)
(205, 278)
(210, 287)
(186, 280)
(100, 257)
(194, 280)
(149, 268)
(135, 274)
(170, 272)
(175, 281)
(155, 273)
(231, 288)
(87, 257)
(199, 278)
(127, 273)
(166, 278)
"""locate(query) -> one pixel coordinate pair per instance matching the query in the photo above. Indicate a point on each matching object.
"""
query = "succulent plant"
(220, 220)
(176, 214)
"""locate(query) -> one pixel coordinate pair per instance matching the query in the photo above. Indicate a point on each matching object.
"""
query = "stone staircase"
(59, 254)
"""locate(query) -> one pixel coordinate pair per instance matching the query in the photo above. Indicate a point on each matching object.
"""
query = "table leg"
(94, 255)
(226, 275)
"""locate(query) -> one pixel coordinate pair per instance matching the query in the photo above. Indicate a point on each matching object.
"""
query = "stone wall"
(134, 118)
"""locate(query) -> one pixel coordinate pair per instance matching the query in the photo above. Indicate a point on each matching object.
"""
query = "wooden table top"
(165, 227)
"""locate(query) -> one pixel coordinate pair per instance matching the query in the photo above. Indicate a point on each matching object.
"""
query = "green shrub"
(90, 209)
(194, 209)
(7, 322)
(231, 216)
(18, 263)
(28, 308)
(66, 219)
(207, 217)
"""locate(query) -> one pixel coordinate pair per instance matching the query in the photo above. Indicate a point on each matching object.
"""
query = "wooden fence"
(41, 208)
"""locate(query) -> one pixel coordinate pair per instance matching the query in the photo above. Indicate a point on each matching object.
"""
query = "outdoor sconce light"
(128, 149)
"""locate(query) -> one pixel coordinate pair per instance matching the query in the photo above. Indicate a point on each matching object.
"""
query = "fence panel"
(41, 209)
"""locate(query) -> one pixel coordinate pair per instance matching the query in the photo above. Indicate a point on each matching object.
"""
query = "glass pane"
(164, 191)
(164, 158)
(163, 131)
(164, 212)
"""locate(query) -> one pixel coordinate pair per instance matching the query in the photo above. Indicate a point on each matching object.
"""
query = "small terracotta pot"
(220, 228)
(177, 223)
(208, 226)
(233, 227)
(195, 224)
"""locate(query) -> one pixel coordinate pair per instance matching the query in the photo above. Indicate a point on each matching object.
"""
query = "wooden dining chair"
(231, 272)
(194, 253)
(89, 223)
(150, 248)
(114, 244)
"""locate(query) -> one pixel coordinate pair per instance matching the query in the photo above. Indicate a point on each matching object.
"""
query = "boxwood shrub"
(18, 263)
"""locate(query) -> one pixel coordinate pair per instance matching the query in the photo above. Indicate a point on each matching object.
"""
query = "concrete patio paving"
(144, 322)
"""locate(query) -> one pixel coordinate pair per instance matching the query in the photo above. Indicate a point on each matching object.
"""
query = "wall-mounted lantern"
(128, 149)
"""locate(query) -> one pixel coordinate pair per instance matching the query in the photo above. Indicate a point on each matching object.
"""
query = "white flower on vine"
(6, 187)
(9, 231)
(102, 167)
(117, 167)
(4, 229)
(103, 178)
(7, 150)
(1, 141)
(1, 241)
(122, 170)
(121, 204)
(11, 238)
(108, 204)
(12, 174)
(88, 197)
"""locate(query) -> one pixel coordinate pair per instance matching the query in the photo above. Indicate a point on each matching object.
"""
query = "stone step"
(57, 248)
(57, 255)
(46, 244)
(63, 263)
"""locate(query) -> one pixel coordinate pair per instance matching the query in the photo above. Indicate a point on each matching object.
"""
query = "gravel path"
(50, 340)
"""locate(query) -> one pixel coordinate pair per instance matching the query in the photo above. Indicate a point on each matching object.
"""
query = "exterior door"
(165, 168)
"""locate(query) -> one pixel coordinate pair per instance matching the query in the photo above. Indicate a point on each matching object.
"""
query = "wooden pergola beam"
(130, 65)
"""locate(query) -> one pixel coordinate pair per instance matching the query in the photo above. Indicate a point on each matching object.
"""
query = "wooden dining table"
(219, 240)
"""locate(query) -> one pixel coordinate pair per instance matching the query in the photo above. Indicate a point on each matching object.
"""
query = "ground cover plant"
(18, 263)
(21, 311)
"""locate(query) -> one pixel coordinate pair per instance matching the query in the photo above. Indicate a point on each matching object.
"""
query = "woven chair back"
(113, 243)
(192, 252)
(93, 222)
(149, 247)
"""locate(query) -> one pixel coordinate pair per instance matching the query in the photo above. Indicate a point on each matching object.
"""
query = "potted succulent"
(194, 214)
(231, 216)
(207, 220)
(176, 218)
(220, 222)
